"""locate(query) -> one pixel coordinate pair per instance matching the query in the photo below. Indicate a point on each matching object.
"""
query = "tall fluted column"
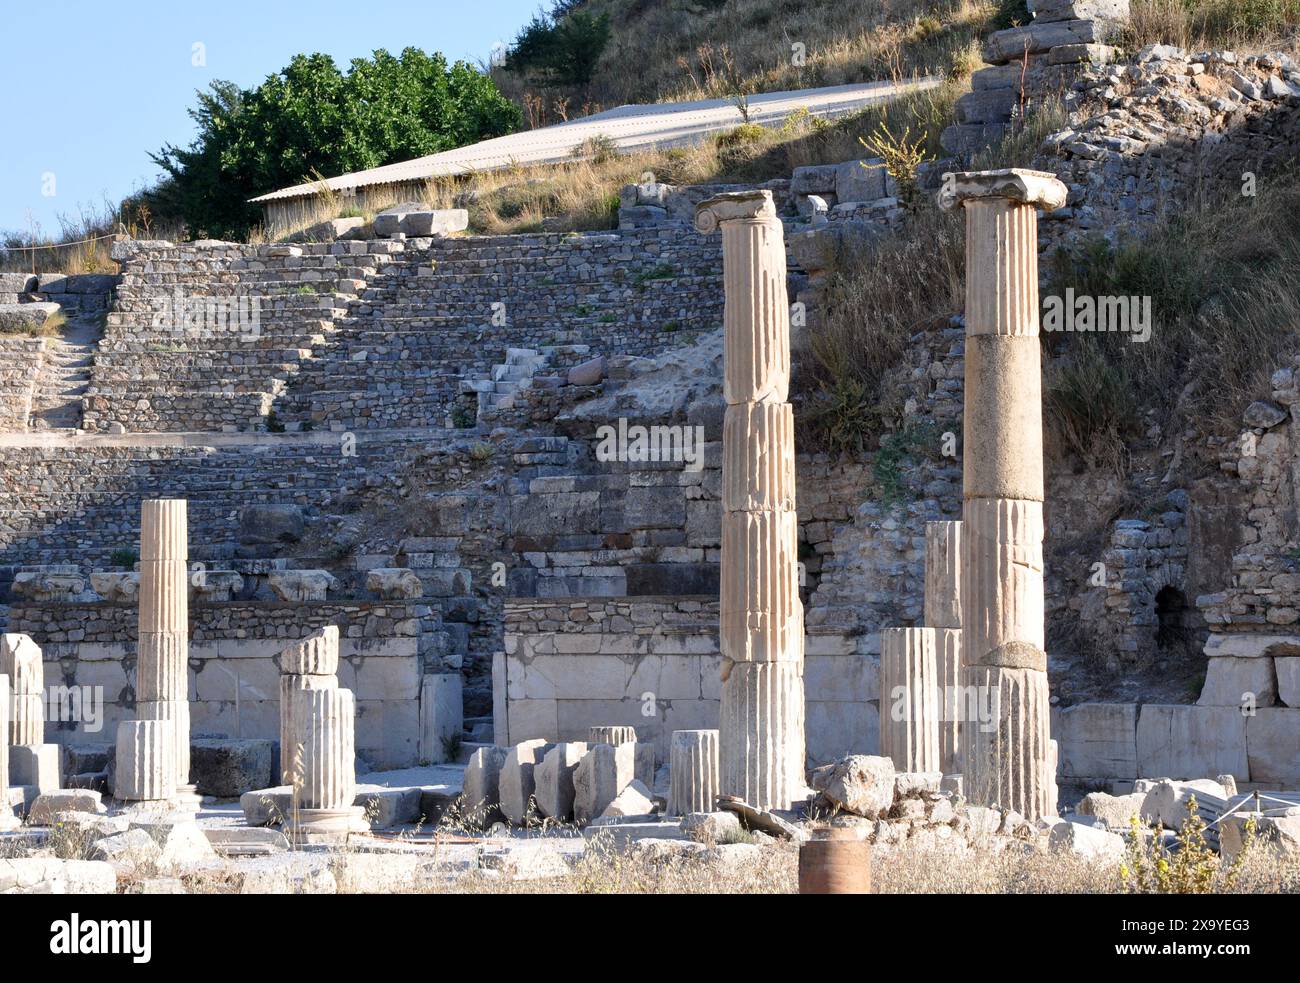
(1007, 761)
(162, 685)
(761, 732)
(943, 614)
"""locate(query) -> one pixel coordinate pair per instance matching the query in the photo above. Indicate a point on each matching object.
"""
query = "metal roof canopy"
(629, 127)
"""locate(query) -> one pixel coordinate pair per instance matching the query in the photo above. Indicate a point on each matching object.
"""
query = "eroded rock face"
(261, 525)
(301, 585)
(394, 583)
(862, 784)
(1116, 811)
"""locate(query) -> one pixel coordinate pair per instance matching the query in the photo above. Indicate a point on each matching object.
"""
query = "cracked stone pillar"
(909, 699)
(761, 731)
(30, 761)
(693, 765)
(318, 738)
(943, 614)
(1004, 658)
(162, 666)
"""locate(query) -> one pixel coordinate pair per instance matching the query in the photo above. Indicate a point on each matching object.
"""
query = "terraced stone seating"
(448, 313)
(205, 336)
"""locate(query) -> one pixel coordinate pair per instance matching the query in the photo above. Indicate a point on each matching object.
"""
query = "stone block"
(442, 715)
(984, 106)
(1088, 842)
(1186, 742)
(1273, 746)
(265, 525)
(1288, 679)
(861, 180)
(1097, 741)
(1279, 835)
(50, 804)
(301, 586)
(385, 808)
(862, 785)
(817, 179)
(226, 769)
(516, 783)
(634, 800)
(553, 779)
(394, 583)
(1115, 811)
(17, 318)
(1015, 42)
(1233, 682)
(1046, 11)
(481, 797)
(1166, 801)
(601, 775)
(1251, 645)
(35, 765)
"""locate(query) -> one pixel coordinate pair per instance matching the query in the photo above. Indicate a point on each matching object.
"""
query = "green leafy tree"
(312, 118)
(562, 51)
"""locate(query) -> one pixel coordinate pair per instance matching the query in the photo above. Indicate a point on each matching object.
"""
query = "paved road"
(630, 127)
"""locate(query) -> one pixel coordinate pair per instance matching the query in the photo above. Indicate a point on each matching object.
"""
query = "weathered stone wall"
(1145, 139)
(1108, 742)
(234, 669)
(20, 367)
(653, 663)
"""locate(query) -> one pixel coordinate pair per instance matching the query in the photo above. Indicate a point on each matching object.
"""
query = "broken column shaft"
(318, 737)
(943, 614)
(1007, 759)
(29, 759)
(761, 730)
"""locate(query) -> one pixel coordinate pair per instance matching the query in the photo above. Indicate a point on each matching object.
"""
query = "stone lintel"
(1041, 189)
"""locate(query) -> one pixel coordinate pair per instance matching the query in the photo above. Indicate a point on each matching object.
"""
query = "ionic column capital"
(1041, 189)
(733, 206)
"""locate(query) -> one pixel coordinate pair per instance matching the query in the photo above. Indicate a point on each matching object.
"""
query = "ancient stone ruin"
(444, 555)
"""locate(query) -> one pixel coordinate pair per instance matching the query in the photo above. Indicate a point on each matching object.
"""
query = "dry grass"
(1224, 279)
(679, 50)
(582, 194)
(84, 242)
(878, 296)
(1248, 25)
(51, 327)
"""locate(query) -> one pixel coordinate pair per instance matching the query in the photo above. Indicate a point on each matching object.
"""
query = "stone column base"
(1008, 759)
(325, 826)
(761, 734)
(37, 765)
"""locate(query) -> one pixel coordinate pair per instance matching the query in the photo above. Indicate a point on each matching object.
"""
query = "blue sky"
(92, 87)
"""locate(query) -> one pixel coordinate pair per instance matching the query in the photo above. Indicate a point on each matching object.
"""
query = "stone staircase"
(65, 377)
(508, 378)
